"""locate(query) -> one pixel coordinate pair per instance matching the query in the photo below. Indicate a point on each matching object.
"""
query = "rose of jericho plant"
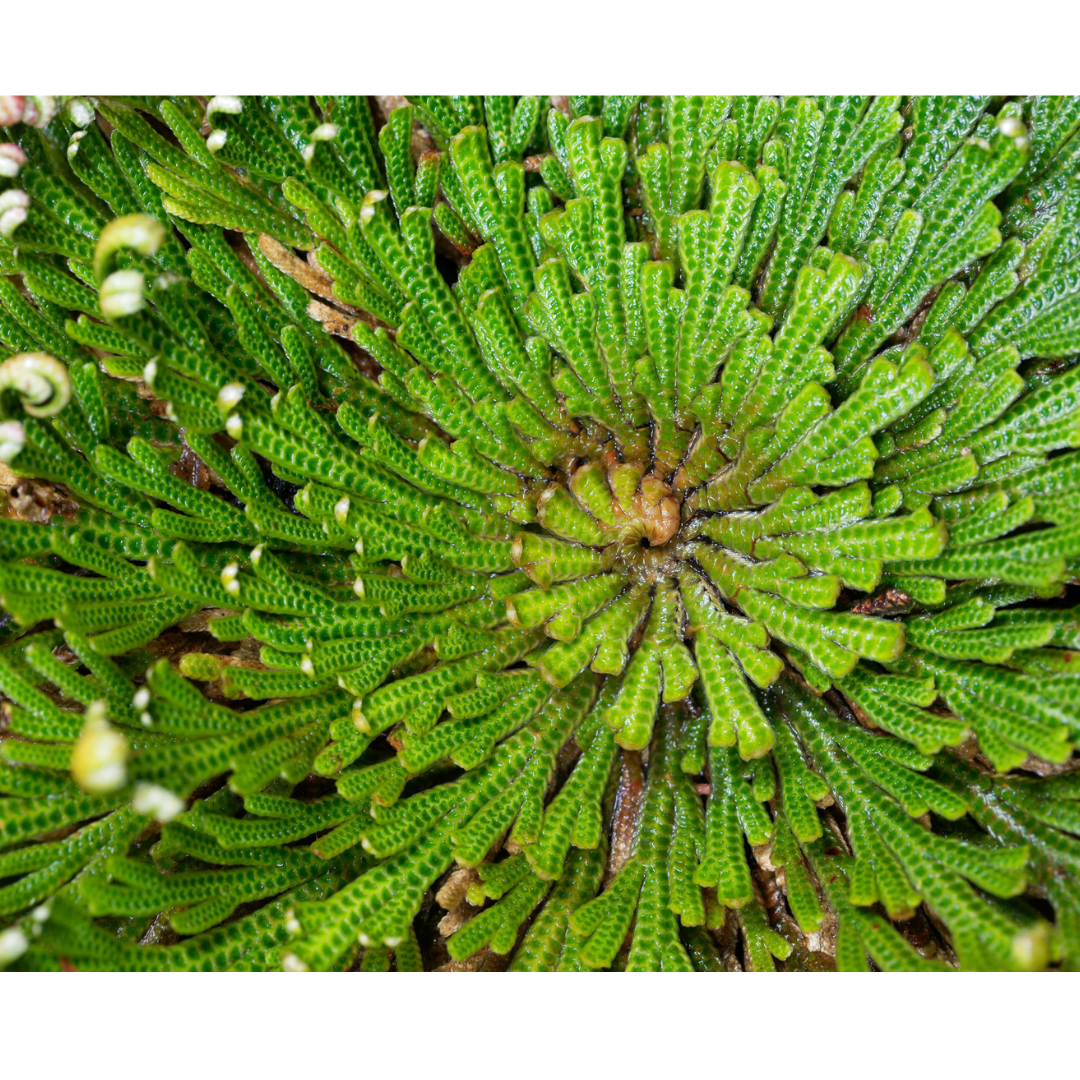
(598, 532)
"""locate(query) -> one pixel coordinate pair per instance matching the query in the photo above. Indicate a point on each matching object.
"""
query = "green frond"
(643, 529)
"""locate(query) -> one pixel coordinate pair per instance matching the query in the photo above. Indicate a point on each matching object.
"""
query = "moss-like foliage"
(597, 532)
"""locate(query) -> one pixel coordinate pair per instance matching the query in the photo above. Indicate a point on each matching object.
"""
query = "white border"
(530, 46)
(201, 1027)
